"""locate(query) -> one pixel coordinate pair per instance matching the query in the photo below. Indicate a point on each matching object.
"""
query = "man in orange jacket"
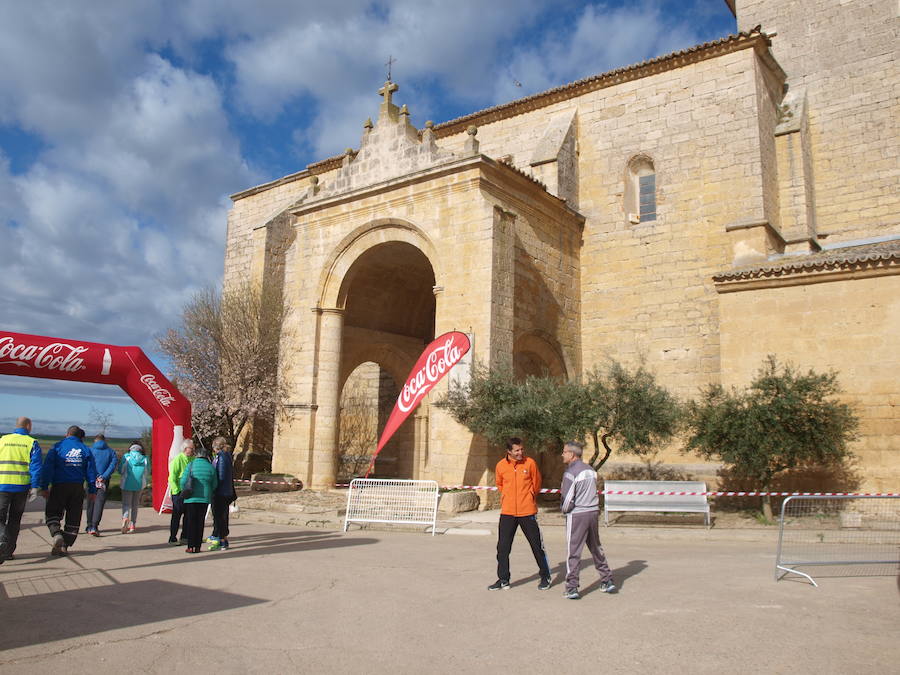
(519, 482)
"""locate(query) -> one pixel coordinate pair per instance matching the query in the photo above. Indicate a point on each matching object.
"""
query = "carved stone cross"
(386, 91)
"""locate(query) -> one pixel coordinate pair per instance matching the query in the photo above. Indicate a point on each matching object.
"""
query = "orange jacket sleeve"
(535, 479)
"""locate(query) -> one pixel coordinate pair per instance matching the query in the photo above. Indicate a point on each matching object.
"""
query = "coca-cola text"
(55, 356)
(163, 395)
(437, 363)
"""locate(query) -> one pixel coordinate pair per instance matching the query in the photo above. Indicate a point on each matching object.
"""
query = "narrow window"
(647, 196)
(640, 190)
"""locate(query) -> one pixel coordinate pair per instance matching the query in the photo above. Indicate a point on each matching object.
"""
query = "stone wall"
(849, 325)
(845, 55)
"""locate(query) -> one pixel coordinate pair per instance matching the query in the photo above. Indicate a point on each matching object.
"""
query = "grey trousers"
(131, 499)
(94, 508)
(581, 529)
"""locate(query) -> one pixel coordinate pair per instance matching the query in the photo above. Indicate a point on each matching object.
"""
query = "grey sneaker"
(499, 585)
(572, 594)
(59, 545)
(544, 585)
(608, 587)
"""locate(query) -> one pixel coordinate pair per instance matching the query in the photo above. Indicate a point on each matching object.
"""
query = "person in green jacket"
(176, 469)
(201, 477)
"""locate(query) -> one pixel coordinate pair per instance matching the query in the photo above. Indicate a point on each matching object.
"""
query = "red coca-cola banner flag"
(434, 363)
(127, 367)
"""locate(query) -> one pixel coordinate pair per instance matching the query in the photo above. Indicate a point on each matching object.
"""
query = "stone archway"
(388, 310)
(538, 354)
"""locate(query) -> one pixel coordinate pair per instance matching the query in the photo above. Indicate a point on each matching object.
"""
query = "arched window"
(640, 190)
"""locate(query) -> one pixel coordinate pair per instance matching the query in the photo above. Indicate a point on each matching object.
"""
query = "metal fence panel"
(378, 500)
(838, 530)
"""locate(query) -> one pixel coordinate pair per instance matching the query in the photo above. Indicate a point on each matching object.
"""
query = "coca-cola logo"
(163, 395)
(55, 356)
(443, 357)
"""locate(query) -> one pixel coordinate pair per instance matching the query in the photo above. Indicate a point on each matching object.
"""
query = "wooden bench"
(655, 503)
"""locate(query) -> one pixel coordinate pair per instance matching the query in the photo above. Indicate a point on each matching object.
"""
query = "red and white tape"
(668, 493)
(754, 493)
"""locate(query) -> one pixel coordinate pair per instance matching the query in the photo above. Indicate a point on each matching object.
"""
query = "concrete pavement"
(293, 599)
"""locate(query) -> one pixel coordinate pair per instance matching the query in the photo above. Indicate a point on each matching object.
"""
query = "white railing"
(860, 533)
(378, 500)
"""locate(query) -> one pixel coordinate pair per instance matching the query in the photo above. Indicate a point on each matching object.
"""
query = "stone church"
(699, 211)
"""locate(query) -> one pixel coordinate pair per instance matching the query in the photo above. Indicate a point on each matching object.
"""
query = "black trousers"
(220, 516)
(12, 506)
(177, 518)
(194, 515)
(529, 525)
(65, 502)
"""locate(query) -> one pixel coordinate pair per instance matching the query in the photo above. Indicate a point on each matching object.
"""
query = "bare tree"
(359, 431)
(101, 420)
(225, 358)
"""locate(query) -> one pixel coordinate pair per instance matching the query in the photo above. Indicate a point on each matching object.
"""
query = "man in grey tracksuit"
(581, 505)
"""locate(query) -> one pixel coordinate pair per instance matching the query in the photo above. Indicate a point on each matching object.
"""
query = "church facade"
(698, 211)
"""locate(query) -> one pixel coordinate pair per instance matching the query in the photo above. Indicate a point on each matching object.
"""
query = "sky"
(125, 126)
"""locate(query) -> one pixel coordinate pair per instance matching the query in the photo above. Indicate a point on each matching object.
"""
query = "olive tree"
(543, 410)
(783, 419)
(629, 409)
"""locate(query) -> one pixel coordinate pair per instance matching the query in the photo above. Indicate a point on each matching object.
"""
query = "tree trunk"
(597, 442)
(767, 506)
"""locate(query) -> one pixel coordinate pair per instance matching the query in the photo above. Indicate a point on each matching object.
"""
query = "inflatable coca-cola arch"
(128, 367)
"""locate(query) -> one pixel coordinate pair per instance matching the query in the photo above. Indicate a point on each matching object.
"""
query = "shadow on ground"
(46, 611)
(269, 544)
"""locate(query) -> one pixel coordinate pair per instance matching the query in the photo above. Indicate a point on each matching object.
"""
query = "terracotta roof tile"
(885, 254)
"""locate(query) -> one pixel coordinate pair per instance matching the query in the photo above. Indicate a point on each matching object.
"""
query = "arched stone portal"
(389, 312)
(398, 242)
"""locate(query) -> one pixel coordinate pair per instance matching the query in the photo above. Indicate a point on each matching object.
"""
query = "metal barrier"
(838, 530)
(377, 500)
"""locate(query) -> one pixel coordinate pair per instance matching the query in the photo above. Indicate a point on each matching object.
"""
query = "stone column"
(420, 441)
(328, 392)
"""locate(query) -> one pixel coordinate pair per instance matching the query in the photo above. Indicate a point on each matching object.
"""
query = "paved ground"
(295, 599)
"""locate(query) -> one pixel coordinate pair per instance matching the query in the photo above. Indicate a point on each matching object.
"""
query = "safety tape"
(702, 494)
(668, 493)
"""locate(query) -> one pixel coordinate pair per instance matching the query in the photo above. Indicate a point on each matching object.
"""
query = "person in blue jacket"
(105, 461)
(224, 494)
(67, 466)
(20, 469)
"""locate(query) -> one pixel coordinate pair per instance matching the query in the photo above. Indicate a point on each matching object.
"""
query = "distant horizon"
(56, 428)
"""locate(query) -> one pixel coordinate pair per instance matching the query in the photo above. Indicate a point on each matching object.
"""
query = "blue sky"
(124, 126)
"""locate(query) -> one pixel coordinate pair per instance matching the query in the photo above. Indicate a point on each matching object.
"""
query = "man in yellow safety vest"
(20, 469)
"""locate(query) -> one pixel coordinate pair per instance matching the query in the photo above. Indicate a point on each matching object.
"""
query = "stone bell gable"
(391, 147)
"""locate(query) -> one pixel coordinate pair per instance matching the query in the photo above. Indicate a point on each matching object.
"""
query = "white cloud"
(602, 39)
(119, 214)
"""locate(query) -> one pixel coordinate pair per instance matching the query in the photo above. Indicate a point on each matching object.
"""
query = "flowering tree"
(225, 358)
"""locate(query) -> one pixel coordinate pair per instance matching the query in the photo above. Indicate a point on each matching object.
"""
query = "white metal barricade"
(378, 500)
(838, 530)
